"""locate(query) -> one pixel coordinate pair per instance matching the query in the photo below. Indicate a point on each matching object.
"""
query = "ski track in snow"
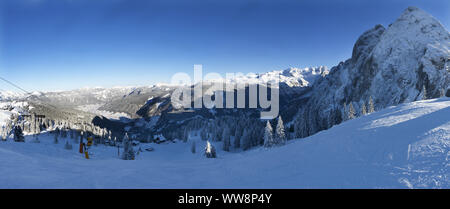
(406, 146)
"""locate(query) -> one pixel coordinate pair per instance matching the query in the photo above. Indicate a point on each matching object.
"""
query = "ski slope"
(405, 146)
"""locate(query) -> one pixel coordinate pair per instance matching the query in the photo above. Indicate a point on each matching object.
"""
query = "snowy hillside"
(404, 146)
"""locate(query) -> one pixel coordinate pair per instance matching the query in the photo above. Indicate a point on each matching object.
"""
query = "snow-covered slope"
(405, 146)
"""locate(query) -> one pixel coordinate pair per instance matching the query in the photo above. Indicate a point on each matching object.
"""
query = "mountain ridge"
(391, 66)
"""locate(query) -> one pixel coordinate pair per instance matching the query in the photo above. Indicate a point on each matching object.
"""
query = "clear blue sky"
(67, 44)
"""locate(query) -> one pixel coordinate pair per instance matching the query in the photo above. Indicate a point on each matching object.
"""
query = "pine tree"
(218, 134)
(351, 112)
(4, 133)
(226, 139)
(280, 133)
(203, 135)
(371, 105)
(424, 93)
(210, 151)
(128, 152)
(268, 135)
(291, 129)
(18, 134)
(345, 112)
(193, 147)
(245, 140)
(363, 109)
(237, 137)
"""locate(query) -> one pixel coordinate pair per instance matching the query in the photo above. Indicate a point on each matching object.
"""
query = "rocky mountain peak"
(366, 42)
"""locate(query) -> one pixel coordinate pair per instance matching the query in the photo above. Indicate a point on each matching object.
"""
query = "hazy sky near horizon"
(66, 44)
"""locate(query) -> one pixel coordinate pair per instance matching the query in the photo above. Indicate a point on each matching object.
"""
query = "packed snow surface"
(405, 146)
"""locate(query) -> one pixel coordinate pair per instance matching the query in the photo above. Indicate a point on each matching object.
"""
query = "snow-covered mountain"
(291, 77)
(296, 77)
(391, 65)
(404, 146)
(10, 95)
(84, 96)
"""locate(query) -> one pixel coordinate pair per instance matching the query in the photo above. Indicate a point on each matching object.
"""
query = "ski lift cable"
(11, 83)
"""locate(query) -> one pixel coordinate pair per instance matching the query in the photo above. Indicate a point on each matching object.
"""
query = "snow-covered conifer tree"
(128, 152)
(4, 133)
(363, 109)
(351, 112)
(424, 93)
(371, 105)
(280, 134)
(268, 135)
(210, 151)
